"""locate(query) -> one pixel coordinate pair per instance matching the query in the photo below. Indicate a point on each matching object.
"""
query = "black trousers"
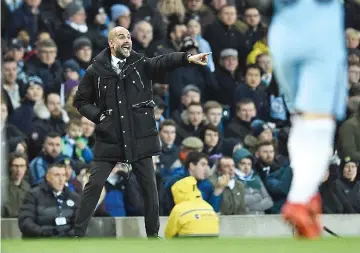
(145, 174)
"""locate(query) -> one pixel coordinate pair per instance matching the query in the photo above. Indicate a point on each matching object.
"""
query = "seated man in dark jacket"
(49, 209)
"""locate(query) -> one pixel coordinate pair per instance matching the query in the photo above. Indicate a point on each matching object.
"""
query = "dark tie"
(121, 64)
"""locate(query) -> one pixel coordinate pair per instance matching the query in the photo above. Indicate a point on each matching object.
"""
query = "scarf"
(80, 28)
(250, 181)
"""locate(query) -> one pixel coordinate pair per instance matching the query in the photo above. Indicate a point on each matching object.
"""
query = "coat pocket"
(105, 131)
(144, 119)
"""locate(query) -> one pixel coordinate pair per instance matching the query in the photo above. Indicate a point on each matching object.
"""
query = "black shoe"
(155, 237)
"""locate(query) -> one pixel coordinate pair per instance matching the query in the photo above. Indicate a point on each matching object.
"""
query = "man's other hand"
(201, 59)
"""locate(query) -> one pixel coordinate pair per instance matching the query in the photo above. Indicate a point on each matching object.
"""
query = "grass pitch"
(240, 245)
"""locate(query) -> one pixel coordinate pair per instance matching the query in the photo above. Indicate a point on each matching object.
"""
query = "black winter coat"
(129, 133)
(40, 209)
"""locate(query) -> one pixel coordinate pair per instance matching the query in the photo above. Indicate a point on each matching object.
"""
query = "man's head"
(137, 3)
(88, 127)
(10, 71)
(143, 33)
(74, 129)
(190, 144)
(168, 132)
(195, 114)
(217, 4)
(213, 111)
(120, 42)
(228, 15)
(16, 50)
(176, 32)
(252, 17)
(265, 63)
(33, 3)
(34, 89)
(53, 104)
(354, 73)
(246, 110)
(253, 75)
(243, 160)
(71, 70)
(75, 13)
(229, 59)
(56, 177)
(265, 151)
(197, 165)
(194, 5)
(350, 167)
(3, 112)
(194, 27)
(47, 51)
(352, 38)
(211, 136)
(262, 130)
(52, 144)
(83, 49)
(18, 163)
(226, 166)
(190, 94)
(121, 15)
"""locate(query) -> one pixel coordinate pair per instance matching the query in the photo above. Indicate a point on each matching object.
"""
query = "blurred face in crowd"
(266, 135)
(168, 135)
(88, 127)
(4, 113)
(252, 17)
(44, 36)
(69, 74)
(53, 104)
(195, 114)
(124, 20)
(194, 5)
(120, 42)
(352, 41)
(35, 92)
(191, 96)
(48, 55)
(228, 15)
(227, 166)
(158, 111)
(266, 154)
(231, 63)
(194, 27)
(68, 172)
(214, 116)
(245, 165)
(178, 33)
(246, 112)
(84, 54)
(265, 63)
(199, 170)
(354, 74)
(79, 18)
(161, 88)
(353, 58)
(33, 3)
(10, 72)
(253, 77)
(18, 169)
(16, 53)
(350, 171)
(24, 36)
(137, 3)
(217, 4)
(56, 177)
(52, 146)
(143, 32)
(100, 17)
(75, 131)
(211, 138)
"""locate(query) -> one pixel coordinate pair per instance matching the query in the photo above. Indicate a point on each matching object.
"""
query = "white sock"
(310, 149)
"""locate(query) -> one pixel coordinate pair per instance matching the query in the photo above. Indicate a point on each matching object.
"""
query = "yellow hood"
(185, 190)
(259, 48)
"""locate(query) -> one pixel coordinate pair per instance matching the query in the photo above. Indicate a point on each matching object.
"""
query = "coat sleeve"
(86, 97)
(347, 141)
(280, 184)
(265, 201)
(157, 66)
(172, 227)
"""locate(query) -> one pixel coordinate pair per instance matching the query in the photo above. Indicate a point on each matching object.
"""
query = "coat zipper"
(137, 72)
(98, 84)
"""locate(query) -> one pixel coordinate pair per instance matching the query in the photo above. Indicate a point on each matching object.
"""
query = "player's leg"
(91, 194)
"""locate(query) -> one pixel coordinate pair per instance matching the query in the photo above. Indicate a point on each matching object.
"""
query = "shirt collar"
(116, 60)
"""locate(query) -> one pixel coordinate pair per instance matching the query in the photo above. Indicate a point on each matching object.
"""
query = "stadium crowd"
(225, 124)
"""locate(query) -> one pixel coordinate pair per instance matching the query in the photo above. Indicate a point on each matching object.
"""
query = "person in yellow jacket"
(191, 216)
(260, 47)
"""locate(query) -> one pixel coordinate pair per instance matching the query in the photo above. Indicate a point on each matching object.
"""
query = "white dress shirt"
(115, 63)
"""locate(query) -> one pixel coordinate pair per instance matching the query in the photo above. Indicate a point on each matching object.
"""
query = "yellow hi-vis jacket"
(191, 215)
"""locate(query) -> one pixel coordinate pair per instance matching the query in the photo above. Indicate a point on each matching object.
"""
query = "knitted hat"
(71, 9)
(258, 126)
(240, 154)
(189, 43)
(228, 52)
(346, 160)
(71, 64)
(190, 87)
(32, 80)
(81, 42)
(118, 10)
(192, 143)
(16, 43)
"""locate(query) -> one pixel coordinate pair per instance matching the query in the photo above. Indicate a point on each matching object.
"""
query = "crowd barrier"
(230, 226)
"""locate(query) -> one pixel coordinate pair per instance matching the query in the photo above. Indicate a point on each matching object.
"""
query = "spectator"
(17, 185)
(192, 126)
(213, 113)
(88, 128)
(83, 53)
(171, 10)
(10, 85)
(349, 137)
(265, 63)
(99, 20)
(45, 65)
(74, 145)
(232, 198)
(120, 16)
(256, 197)
(196, 9)
(159, 110)
(175, 33)
(183, 222)
(49, 209)
(253, 89)
(239, 126)
(347, 188)
(228, 75)
(260, 47)
(352, 38)
(50, 154)
(16, 51)
(353, 74)
(255, 31)
(169, 151)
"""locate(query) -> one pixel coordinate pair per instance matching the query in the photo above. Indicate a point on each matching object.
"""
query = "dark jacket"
(227, 83)
(15, 197)
(348, 193)
(129, 133)
(23, 116)
(237, 129)
(330, 202)
(12, 136)
(40, 209)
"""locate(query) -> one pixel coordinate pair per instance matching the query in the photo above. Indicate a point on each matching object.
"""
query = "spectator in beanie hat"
(262, 130)
(99, 20)
(120, 16)
(83, 53)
